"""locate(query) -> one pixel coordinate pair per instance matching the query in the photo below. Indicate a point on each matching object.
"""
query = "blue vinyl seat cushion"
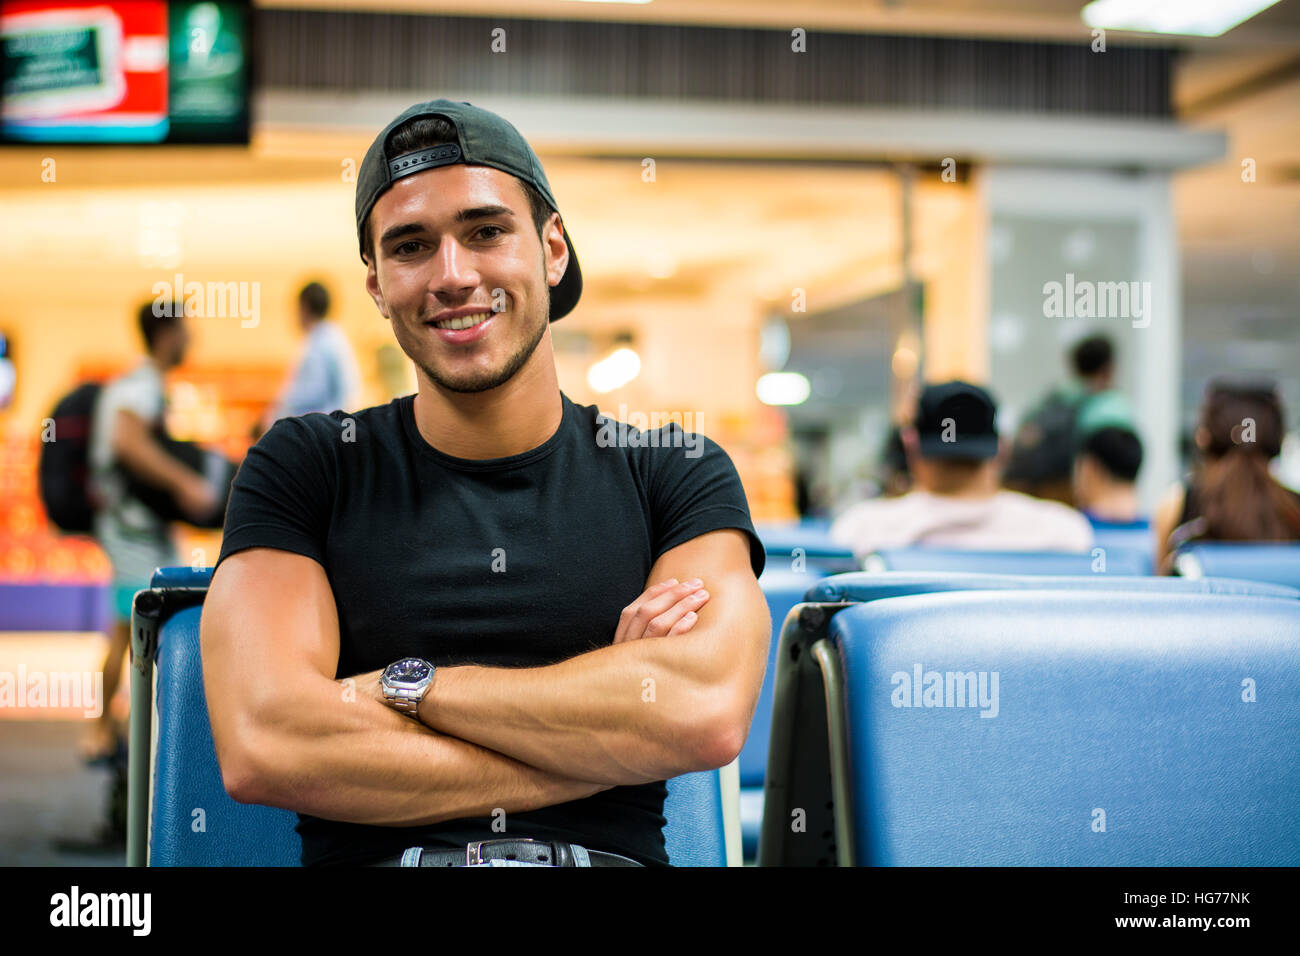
(1158, 730)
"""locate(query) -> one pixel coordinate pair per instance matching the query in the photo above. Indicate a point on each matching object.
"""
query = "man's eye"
(398, 251)
(497, 228)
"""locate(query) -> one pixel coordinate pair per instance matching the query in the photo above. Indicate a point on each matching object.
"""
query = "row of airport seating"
(1107, 663)
(955, 708)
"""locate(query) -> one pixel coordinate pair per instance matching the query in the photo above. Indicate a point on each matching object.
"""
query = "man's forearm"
(149, 463)
(356, 760)
(624, 714)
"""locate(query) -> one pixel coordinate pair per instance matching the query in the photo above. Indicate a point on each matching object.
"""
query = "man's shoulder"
(1041, 509)
(331, 334)
(381, 422)
(139, 389)
(867, 514)
(654, 438)
(142, 375)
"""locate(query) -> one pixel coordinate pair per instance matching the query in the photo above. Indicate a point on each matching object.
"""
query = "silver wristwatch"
(404, 684)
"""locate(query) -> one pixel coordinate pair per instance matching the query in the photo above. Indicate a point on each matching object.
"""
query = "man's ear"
(911, 446)
(372, 286)
(556, 249)
(1079, 473)
(1004, 453)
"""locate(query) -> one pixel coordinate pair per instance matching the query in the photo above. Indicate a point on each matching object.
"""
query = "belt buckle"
(474, 849)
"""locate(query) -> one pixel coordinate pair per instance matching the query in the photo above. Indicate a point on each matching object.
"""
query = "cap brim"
(981, 446)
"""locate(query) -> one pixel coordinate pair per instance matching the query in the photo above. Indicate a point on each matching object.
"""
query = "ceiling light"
(613, 372)
(783, 388)
(1202, 18)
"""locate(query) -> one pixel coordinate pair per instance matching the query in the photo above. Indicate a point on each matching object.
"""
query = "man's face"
(461, 238)
(172, 343)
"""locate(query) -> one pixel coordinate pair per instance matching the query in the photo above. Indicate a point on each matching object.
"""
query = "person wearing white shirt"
(136, 540)
(953, 450)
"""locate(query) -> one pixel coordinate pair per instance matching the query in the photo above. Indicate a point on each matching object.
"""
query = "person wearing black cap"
(953, 450)
(474, 564)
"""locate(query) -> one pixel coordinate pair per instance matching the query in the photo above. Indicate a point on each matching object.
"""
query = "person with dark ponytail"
(1231, 494)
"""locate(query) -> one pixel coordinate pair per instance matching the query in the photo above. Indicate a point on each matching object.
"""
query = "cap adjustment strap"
(409, 163)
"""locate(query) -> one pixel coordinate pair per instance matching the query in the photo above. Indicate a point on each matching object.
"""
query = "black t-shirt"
(521, 561)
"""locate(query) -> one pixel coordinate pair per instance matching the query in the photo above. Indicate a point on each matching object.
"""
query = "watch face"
(408, 671)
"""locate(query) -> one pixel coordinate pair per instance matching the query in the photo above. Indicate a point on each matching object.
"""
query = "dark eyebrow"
(465, 215)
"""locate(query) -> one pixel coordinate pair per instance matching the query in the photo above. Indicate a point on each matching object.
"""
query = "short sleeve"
(282, 496)
(694, 490)
(137, 395)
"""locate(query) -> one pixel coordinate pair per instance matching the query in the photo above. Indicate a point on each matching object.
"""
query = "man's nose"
(453, 268)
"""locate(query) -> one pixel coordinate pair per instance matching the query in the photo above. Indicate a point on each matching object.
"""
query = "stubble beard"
(485, 381)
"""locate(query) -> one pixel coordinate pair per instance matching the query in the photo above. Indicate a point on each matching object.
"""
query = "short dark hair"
(315, 299)
(152, 324)
(1117, 450)
(1092, 354)
(423, 132)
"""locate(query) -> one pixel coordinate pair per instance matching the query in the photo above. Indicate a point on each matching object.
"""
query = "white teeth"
(464, 321)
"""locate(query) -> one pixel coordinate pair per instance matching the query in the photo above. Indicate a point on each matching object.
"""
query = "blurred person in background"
(1231, 494)
(124, 445)
(1105, 478)
(326, 377)
(952, 450)
(895, 476)
(1042, 456)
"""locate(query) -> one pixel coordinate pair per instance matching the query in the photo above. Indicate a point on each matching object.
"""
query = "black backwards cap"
(972, 413)
(483, 139)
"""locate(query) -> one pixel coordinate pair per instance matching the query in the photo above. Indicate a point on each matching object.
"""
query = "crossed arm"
(639, 710)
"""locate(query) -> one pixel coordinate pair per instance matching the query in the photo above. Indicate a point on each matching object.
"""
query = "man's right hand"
(196, 498)
(666, 608)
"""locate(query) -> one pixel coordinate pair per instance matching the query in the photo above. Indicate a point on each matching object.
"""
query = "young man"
(467, 615)
(1105, 478)
(326, 377)
(136, 539)
(952, 450)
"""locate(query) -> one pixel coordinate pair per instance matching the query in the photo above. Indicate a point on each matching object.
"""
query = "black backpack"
(1044, 446)
(64, 466)
(66, 490)
(196, 458)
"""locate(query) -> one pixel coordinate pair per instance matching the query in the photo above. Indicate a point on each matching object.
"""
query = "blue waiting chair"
(1120, 561)
(798, 709)
(1135, 536)
(179, 813)
(783, 590)
(800, 547)
(1155, 728)
(873, 586)
(1274, 563)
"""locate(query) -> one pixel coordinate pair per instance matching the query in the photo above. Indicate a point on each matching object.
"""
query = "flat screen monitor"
(124, 71)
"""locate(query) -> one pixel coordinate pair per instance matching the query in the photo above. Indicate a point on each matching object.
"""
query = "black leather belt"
(507, 852)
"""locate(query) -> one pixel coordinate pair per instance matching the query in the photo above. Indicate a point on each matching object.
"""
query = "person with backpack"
(1042, 456)
(127, 454)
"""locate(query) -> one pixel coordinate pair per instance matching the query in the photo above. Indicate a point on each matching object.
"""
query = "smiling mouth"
(463, 322)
